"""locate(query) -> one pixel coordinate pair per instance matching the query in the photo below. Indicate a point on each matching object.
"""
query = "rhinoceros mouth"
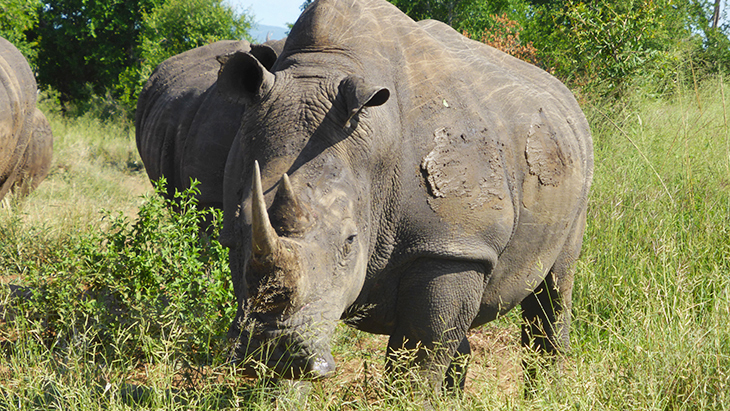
(292, 352)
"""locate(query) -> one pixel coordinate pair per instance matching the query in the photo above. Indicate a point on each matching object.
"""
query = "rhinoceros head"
(297, 215)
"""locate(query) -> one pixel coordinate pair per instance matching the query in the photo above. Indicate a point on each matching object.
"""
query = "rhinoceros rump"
(405, 179)
(26, 142)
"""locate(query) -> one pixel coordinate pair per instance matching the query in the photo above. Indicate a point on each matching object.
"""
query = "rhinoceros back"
(184, 127)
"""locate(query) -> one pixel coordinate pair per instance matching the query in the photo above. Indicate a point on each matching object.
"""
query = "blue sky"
(271, 12)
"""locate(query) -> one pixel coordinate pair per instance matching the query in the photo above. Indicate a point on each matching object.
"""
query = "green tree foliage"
(98, 47)
(174, 27)
(607, 41)
(609, 46)
(90, 48)
(715, 49)
(17, 18)
(87, 42)
(472, 16)
(603, 46)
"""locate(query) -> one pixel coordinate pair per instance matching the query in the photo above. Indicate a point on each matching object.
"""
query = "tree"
(711, 22)
(84, 46)
(174, 27)
(17, 19)
(716, 15)
(87, 42)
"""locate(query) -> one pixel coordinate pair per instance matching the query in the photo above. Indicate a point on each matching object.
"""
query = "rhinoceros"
(184, 126)
(26, 141)
(404, 179)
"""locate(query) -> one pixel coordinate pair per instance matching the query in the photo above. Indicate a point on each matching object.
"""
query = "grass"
(653, 286)
(651, 298)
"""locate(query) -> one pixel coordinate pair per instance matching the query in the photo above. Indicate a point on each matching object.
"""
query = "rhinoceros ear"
(359, 94)
(264, 54)
(242, 78)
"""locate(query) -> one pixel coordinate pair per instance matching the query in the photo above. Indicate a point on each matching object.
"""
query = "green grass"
(653, 289)
(651, 299)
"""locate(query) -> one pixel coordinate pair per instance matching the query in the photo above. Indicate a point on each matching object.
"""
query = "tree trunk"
(716, 15)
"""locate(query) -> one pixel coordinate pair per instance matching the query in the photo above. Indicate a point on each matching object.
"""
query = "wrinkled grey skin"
(26, 142)
(414, 183)
(184, 126)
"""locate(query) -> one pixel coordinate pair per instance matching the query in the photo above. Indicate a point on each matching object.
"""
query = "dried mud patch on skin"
(544, 156)
(465, 166)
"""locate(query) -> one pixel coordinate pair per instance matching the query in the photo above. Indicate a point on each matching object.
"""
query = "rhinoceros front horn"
(264, 240)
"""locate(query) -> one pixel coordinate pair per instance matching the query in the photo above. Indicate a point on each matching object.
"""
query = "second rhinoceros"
(405, 179)
(184, 126)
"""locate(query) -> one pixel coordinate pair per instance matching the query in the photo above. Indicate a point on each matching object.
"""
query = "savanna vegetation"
(111, 300)
(85, 49)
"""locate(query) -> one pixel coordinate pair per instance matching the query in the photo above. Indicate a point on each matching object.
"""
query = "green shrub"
(146, 289)
(603, 46)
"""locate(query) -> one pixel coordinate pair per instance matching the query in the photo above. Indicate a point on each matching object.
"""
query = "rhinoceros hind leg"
(546, 311)
(540, 311)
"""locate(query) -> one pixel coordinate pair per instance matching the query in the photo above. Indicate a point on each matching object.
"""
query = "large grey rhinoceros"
(26, 142)
(184, 126)
(405, 179)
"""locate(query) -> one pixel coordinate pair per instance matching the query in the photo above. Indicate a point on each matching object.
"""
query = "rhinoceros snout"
(286, 358)
(290, 367)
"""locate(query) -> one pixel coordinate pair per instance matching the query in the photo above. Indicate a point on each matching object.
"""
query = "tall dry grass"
(651, 298)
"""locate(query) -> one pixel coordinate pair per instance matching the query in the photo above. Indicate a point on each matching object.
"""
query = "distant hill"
(261, 31)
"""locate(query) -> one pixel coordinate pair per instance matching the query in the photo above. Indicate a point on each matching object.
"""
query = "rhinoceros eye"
(347, 247)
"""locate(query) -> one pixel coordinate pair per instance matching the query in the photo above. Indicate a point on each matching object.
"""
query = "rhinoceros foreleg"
(456, 374)
(437, 302)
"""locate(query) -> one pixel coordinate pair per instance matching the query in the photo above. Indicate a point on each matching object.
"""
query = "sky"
(271, 12)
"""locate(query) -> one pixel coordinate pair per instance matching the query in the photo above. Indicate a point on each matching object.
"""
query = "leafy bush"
(504, 35)
(607, 43)
(145, 289)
